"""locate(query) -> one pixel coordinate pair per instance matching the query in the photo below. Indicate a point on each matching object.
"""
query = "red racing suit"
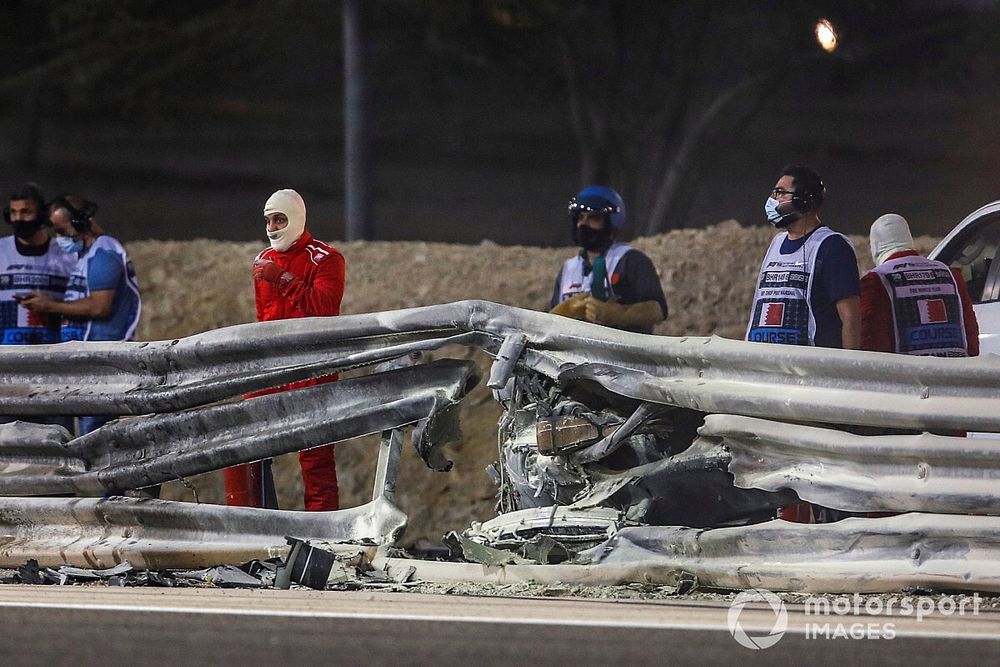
(316, 290)
(878, 333)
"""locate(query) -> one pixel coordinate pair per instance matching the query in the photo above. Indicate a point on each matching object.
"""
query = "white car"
(972, 248)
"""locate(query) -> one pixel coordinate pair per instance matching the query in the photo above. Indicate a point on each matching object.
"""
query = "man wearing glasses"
(607, 282)
(808, 291)
(102, 300)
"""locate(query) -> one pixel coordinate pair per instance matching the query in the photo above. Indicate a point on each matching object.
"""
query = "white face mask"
(69, 244)
(776, 218)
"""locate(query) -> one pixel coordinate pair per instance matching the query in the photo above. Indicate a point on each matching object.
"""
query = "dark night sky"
(465, 151)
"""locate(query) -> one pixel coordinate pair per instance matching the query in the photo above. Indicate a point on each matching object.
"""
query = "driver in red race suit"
(297, 276)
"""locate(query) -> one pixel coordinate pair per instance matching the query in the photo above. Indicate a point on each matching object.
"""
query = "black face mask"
(25, 229)
(592, 240)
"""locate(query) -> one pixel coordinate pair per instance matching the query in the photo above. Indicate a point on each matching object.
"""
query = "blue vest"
(126, 307)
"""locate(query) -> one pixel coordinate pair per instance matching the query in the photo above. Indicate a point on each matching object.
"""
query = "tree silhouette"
(656, 90)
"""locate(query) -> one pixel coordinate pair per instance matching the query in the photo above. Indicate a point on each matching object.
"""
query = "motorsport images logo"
(841, 616)
(758, 640)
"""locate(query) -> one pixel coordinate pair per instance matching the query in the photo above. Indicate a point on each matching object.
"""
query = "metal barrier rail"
(143, 451)
(928, 551)
(125, 378)
(706, 374)
(922, 551)
(899, 473)
(160, 534)
(710, 375)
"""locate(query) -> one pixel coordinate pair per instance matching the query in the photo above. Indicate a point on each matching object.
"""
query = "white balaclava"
(292, 205)
(889, 234)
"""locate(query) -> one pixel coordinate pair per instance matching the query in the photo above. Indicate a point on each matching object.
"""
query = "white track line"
(549, 622)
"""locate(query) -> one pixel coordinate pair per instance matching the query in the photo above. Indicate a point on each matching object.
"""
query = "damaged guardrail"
(143, 451)
(927, 551)
(596, 421)
(705, 374)
(161, 534)
(911, 551)
(897, 473)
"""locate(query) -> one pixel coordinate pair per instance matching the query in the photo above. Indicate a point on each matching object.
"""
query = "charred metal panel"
(567, 433)
(688, 489)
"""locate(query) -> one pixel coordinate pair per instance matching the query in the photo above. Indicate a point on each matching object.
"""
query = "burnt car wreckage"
(621, 457)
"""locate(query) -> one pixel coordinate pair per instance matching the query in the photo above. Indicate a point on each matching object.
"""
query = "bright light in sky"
(826, 35)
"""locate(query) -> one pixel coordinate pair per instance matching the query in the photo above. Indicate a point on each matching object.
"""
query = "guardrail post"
(387, 470)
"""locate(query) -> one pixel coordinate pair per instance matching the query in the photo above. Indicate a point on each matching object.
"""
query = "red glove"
(270, 272)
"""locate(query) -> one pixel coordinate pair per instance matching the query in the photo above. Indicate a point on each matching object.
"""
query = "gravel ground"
(637, 592)
(989, 602)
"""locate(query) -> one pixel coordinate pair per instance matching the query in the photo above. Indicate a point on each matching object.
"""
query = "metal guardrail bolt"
(923, 470)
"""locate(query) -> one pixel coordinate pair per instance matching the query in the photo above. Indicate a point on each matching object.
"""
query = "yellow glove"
(608, 313)
(572, 307)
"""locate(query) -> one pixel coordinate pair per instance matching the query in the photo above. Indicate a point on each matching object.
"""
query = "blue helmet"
(599, 199)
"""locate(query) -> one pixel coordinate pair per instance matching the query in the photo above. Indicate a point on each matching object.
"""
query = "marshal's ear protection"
(80, 220)
(81, 215)
(804, 200)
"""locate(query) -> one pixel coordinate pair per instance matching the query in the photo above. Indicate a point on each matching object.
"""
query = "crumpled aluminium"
(144, 451)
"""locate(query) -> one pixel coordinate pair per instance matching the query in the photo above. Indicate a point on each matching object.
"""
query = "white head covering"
(889, 234)
(292, 205)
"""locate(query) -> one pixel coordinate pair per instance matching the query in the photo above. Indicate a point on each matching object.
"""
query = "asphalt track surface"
(48, 625)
